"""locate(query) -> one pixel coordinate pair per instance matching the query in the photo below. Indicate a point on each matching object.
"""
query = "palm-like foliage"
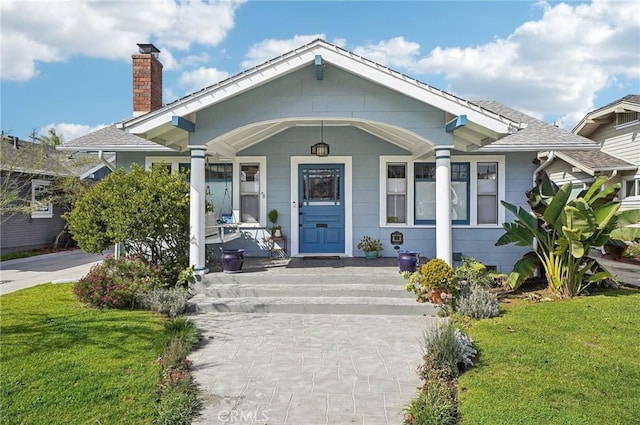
(561, 231)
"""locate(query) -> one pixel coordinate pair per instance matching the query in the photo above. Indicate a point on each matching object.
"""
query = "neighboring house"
(342, 147)
(27, 171)
(616, 129)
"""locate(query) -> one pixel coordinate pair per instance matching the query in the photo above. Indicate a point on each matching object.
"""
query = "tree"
(147, 211)
(564, 230)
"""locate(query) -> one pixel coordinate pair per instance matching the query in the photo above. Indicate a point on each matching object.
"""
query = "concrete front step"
(305, 290)
(312, 305)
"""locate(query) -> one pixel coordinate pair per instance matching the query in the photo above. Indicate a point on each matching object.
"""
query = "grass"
(63, 363)
(565, 362)
(32, 253)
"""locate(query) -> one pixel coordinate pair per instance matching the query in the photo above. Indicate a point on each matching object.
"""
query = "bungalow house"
(29, 220)
(342, 147)
(616, 129)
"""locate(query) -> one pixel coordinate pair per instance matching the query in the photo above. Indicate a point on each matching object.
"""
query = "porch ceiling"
(232, 142)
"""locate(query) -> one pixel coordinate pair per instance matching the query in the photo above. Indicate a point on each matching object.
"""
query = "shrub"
(116, 283)
(632, 250)
(167, 301)
(477, 302)
(449, 347)
(178, 396)
(147, 211)
(433, 406)
(435, 274)
(474, 272)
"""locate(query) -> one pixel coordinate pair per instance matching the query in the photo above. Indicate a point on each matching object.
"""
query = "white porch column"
(196, 211)
(443, 204)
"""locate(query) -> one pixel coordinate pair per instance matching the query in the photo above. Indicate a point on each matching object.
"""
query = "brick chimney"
(147, 80)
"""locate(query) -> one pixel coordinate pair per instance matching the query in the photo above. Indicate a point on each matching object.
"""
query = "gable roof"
(486, 121)
(482, 125)
(537, 136)
(23, 156)
(592, 162)
(605, 114)
(111, 138)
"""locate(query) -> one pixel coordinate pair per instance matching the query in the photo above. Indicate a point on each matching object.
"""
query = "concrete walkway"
(66, 266)
(307, 369)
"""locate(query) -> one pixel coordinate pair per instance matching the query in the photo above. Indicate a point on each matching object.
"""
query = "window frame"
(35, 212)
(635, 181)
(472, 193)
(236, 163)
(467, 220)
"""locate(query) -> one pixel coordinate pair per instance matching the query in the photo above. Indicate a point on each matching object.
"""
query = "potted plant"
(371, 247)
(276, 231)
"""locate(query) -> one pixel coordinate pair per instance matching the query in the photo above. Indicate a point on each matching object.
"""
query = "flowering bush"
(115, 283)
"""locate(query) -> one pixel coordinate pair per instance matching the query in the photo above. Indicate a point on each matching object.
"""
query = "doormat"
(321, 257)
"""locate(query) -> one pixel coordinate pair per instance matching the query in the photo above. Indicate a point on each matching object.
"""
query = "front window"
(425, 193)
(396, 193)
(487, 181)
(219, 190)
(41, 207)
(250, 193)
(631, 188)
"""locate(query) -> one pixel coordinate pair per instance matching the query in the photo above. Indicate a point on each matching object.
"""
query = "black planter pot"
(408, 261)
(232, 260)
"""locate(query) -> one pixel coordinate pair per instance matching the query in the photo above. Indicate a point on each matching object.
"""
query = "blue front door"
(321, 208)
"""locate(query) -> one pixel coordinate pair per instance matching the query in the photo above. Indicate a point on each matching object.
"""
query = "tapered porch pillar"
(196, 211)
(443, 204)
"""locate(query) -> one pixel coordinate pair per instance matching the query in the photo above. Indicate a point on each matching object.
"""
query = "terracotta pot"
(435, 297)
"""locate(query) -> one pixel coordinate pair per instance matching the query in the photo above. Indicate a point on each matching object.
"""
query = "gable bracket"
(183, 124)
(319, 67)
(459, 121)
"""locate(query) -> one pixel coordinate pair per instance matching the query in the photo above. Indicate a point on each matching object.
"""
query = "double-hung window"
(41, 207)
(630, 188)
(408, 191)
(425, 193)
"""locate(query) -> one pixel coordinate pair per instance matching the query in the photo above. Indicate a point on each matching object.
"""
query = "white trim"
(473, 190)
(262, 163)
(35, 213)
(171, 160)
(348, 201)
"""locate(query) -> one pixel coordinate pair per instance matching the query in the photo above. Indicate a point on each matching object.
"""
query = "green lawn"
(565, 362)
(62, 363)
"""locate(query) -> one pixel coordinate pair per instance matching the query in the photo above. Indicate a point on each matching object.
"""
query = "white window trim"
(174, 161)
(625, 181)
(262, 163)
(35, 213)
(473, 189)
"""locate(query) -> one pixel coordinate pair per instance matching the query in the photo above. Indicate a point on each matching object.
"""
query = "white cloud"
(271, 48)
(555, 65)
(43, 31)
(201, 78)
(69, 131)
(396, 52)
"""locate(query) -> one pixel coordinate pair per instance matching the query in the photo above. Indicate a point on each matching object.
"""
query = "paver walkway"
(308, 369)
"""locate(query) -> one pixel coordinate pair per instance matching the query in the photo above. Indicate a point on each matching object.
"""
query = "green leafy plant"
(564, 230)
(474, 272)
(434, 275)
(449, 347)
(368, 244)
(147, 211)
(632, 251)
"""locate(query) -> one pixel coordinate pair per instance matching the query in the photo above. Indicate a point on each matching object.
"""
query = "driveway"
(59, 267)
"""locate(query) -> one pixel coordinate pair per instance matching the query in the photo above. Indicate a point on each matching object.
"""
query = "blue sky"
(67, 64)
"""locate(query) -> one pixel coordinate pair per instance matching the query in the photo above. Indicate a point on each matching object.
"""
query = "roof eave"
(117, 148)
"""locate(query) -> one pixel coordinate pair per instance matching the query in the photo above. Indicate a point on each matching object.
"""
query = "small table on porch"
(277, 246)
